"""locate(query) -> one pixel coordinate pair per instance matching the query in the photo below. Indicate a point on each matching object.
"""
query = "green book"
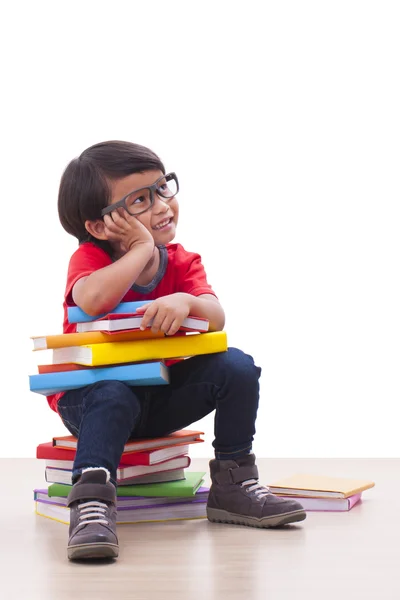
(183, 488)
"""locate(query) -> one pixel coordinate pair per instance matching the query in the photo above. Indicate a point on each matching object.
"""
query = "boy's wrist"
(144, 247)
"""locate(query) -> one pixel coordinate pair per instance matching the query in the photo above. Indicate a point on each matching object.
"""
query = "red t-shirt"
(179, 271)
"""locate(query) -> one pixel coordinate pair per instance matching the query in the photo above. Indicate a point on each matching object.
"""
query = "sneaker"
(93, 515)
(237, 497)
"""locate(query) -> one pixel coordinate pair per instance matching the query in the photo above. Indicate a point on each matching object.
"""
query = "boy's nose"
(160, 204)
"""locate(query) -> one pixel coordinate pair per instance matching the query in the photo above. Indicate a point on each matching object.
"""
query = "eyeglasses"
(138, 201)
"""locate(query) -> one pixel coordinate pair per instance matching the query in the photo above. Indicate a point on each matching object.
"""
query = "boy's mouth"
(162, 224)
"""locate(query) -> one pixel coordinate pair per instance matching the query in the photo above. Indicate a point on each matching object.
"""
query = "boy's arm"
(208, 307)
(167, 313)
(103, 289)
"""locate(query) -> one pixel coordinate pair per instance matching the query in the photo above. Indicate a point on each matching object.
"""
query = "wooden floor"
(346, 556)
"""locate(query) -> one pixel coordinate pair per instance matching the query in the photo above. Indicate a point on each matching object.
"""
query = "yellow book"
(64, 340)
(144, 350)
(320, 486)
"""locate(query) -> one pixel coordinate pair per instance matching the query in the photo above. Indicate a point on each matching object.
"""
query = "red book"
(63, 458)
(74, 367)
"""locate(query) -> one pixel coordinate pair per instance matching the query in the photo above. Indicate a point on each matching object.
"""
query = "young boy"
(119, 203)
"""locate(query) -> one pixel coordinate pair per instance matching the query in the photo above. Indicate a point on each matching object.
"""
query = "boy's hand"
(128, 231)
(168, 313)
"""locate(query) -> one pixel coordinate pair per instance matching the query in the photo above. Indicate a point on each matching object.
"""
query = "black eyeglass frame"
(154, 188)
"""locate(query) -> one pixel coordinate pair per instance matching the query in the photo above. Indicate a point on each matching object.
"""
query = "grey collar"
(146, 289)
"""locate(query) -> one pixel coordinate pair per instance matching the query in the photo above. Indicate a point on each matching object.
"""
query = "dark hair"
(84, 190)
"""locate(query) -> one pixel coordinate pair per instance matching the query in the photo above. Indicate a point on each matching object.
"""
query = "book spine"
(77, 315)
(138, 374)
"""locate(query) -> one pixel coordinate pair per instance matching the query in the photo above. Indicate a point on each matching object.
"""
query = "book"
(326, 504)
(182, 436)
(66, 367)
(120, 322)
(77, 315)
(319, 486)
(150, 373)
(64, 476)
(41, 495)
(64, 340)
(182, 488)
(144, 350)
(125, 471)
(62, 458)
(150, 514)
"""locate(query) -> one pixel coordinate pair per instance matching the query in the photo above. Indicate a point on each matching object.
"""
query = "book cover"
(136, 445)
(64, 476)
(326, 504)
(144, 350)
(320, 486)
(151, 373)
(130, 516)
(77, 315)
(125, 471)
(41, 495)
(65, 340)
(62, 458)
(114, 322)
(185, 487)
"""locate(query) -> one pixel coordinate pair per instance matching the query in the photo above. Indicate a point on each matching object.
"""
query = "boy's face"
(161, 218)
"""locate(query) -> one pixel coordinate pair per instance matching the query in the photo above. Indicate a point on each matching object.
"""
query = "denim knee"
(238, 365)
(113, 397)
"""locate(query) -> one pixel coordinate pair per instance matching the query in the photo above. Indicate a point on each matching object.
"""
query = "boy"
(117, 200)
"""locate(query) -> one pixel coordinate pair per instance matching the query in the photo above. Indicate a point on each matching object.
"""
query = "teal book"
(184, 488)
(77, 315)
(151, 373)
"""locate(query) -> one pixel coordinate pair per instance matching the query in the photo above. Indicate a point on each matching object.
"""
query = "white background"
(282, 122)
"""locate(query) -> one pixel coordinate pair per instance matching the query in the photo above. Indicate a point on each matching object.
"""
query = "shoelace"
(92, 512)
(260, 491)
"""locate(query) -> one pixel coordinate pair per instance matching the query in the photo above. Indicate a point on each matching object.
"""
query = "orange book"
(319, 486)
(178, 437)
(64, 340)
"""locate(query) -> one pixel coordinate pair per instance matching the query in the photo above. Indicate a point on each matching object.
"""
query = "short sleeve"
(87, 259)
(193, 278)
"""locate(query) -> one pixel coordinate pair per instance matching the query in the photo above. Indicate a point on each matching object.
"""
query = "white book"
(115, 322)
(127, 471)
(176, 474)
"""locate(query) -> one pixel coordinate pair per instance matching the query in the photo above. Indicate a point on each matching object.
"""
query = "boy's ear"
(96, 229)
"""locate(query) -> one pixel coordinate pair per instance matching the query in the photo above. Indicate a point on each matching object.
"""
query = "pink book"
(326, 504)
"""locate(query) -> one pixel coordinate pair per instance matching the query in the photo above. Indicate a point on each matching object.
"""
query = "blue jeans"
(105, 415)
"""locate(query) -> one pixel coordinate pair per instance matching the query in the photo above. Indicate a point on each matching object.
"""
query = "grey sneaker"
(93, 515)
(237, 497)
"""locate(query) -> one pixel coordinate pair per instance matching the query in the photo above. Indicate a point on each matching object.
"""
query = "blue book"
(150, 373)
(77, 315)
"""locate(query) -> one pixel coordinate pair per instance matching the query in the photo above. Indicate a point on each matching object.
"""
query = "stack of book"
(114, 347)
(321, 493)
(152, 479)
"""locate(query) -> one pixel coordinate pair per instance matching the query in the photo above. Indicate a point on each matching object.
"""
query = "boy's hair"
(84, 189)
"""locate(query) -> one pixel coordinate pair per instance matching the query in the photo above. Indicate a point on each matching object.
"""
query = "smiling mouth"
(162, 224)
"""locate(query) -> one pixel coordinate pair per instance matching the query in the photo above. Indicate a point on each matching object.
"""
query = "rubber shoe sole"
(83, 551)
(217, 515)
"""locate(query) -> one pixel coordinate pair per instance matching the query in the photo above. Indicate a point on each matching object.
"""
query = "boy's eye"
(139, 200)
